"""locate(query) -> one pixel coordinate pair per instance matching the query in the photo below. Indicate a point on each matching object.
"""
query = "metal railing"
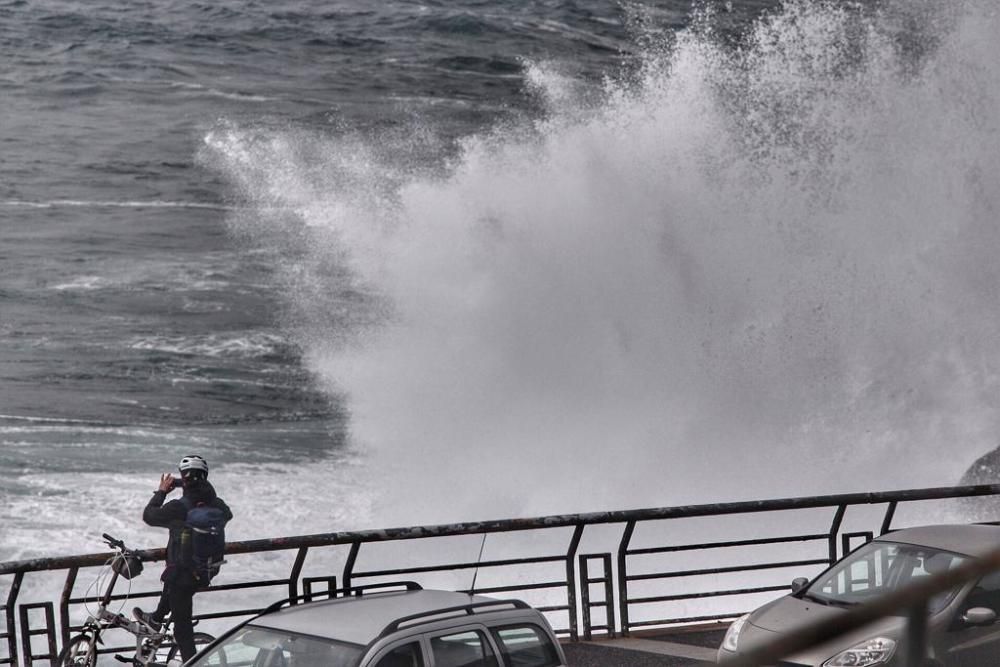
(624, 588)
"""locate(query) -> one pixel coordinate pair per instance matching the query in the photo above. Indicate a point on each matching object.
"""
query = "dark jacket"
(172, 516)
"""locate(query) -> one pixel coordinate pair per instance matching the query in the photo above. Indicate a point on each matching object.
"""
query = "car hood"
(791, 613)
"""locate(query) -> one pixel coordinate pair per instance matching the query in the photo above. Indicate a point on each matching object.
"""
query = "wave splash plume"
(747, 269)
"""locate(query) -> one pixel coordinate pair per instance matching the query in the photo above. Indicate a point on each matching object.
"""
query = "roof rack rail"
(353, 591)
(431, 614)
(358, 591)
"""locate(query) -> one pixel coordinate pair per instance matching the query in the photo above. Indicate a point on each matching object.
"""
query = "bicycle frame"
(147, 643)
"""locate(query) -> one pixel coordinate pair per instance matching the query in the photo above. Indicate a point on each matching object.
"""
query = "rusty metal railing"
(623, 587)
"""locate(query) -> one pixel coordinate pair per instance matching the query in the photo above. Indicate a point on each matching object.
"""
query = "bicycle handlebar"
(112, 542)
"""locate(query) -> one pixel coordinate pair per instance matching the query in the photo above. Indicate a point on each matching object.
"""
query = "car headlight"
(733, 633)
(869, 652)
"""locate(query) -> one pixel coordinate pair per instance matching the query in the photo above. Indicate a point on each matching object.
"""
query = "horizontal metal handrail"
(461, 566)
(785, 539)
(725, 570)
(544, 522)
(708, 594)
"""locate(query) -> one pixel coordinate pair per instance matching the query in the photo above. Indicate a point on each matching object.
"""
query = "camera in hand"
(177, 483)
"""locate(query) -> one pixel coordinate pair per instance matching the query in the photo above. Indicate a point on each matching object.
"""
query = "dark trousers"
(177, 600)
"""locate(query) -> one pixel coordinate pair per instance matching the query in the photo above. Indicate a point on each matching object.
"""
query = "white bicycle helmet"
(193, 465)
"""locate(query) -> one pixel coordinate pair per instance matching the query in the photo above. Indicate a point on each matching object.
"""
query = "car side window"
(463, 649)
(407, 655)
(526, 646)
(986, 593)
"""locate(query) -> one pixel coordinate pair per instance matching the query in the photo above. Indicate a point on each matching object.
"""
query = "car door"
(965, 645)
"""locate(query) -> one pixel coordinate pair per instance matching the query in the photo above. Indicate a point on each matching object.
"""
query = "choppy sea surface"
(424, 261)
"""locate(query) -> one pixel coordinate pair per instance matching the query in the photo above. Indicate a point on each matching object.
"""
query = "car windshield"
(254, 646)
(881, 567)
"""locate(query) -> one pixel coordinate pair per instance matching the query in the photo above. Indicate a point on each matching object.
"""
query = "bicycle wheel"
(81, 651)
(201, 640)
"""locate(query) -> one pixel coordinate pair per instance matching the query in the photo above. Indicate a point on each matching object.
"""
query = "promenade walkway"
(674, 649)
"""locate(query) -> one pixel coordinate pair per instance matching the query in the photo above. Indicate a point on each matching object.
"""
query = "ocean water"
(411, 262)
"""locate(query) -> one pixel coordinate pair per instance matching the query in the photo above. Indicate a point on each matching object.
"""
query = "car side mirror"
(979, 616)
(799, 583)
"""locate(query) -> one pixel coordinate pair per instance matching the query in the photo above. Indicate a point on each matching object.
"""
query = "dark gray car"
(962, 623)
(395, 628)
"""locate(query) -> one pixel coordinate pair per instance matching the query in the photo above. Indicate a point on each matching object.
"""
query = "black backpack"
(205, 529)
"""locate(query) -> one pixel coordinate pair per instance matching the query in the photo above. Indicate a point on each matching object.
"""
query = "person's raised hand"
(166, 483)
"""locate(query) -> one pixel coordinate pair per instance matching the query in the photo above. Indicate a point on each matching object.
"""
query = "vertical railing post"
(293, 578)
(585, 597)
(67, 593)
(609, 594)
(15, 588)
(838, 519)
(574, 544)
(25, 635)
(623, 575)
(890, 511)
(352, 558)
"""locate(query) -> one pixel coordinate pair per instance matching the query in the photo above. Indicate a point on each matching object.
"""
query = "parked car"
(962, 623)
(377, 627)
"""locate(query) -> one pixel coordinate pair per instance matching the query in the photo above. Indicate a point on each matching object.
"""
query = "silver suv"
(391, 628)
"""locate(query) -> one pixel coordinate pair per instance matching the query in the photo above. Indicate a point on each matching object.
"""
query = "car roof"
(361, 619)
(975, 540)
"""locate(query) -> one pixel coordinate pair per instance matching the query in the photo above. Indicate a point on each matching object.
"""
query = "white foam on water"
(212, 345)
(736, 275)
(230, 95)
(88, 203)
(63, 513)
(83, 284)
(164, 274)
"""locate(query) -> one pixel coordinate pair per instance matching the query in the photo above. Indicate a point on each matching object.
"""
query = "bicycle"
(152, 649)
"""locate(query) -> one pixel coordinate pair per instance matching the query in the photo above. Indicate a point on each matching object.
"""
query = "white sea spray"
(738, 273)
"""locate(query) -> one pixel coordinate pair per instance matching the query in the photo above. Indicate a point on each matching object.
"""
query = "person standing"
(179, 577)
